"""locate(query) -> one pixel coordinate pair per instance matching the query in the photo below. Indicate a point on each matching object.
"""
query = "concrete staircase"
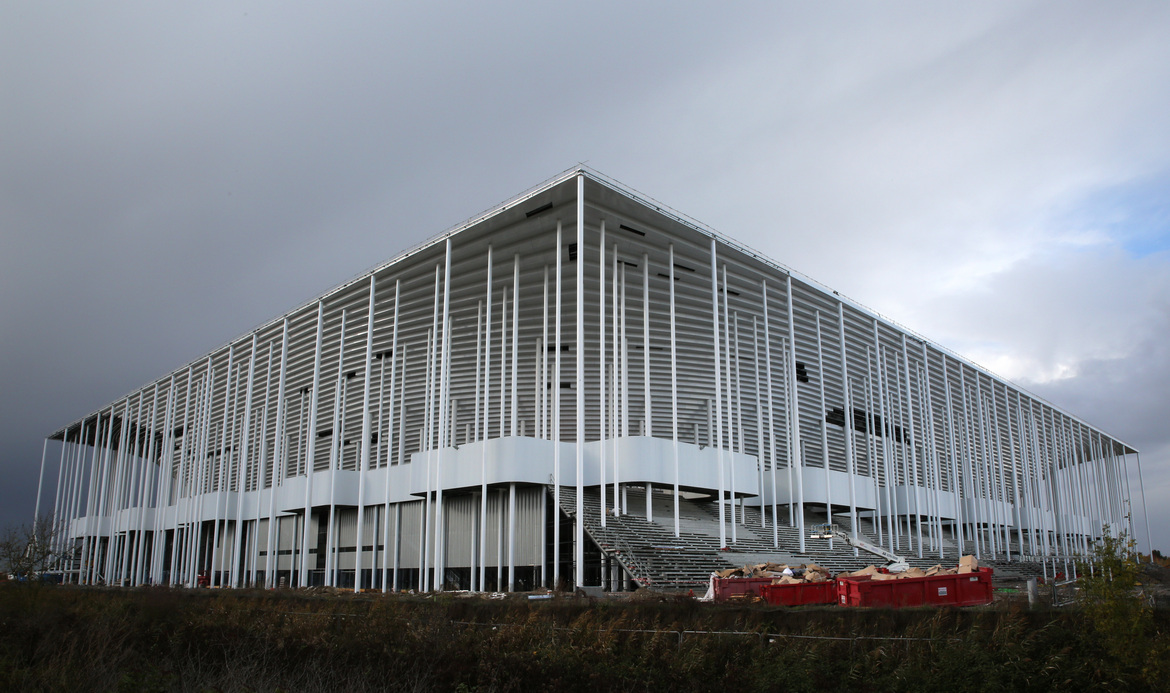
(653, 557)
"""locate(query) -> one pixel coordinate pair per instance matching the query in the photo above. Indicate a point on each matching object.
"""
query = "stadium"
(578, 388)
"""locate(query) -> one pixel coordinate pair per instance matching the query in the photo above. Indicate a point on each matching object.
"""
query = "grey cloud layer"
(170, 177)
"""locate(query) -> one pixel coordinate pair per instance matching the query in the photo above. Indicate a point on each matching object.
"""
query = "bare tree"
(27, 552)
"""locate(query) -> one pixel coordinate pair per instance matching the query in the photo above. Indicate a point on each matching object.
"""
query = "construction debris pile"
(781, 573)
(967, 564)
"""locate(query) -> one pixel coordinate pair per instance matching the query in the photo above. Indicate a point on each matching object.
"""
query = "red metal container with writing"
(800, 593)
(725, 588)
(964, 589)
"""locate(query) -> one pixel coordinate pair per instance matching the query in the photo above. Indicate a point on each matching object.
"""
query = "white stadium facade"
(579, 387)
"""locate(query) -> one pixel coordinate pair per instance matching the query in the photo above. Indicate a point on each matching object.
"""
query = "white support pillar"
(366, 440)
(718, 393)
(761, 443)
(311, 452)
(487, 388)
(824, 427)
(771, 440)
(390, 439)
(796, 451)
(443, 370)
(579, 433)
(649, 411)
(603, 348)
(850, 459)
(557, 416)
(673, 386)
(263, 471)
(913, 450)
(728, 358)
(41, 480)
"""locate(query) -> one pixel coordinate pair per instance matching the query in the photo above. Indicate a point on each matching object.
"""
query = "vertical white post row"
(557, 417)
(725, 335)
(241, 457)
(1003, 488)
(850, 461)
(336, 451)
(615, 399)
(144, 487)
(580, 429)
(913, 452)
(673, 386)
(41, 479)
(389, 440)
(545, 384)
(487, 389)
(269, 551)
(623, 385)
(717, 357)
(444, 383)
(175, 576)
(220, 457)
(515, 416)
(871, 448)
(364, 445)
(761, 457)
(771, 415)
(279, 453)
(311, 453)
(649, 411)
(603, 348)
(824, 426)
(796, 451)
(734, 413)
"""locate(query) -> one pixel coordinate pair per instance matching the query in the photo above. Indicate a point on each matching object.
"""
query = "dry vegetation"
(169, 640)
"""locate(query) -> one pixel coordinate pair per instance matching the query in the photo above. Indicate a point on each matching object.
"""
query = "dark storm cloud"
(172, 176)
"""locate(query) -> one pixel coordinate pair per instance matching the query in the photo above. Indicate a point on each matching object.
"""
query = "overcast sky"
(996, 176)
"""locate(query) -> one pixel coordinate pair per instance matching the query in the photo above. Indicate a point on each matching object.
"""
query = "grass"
(157, 639)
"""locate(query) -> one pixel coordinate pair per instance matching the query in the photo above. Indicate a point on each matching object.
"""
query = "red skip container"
(800, 593)
(725, 588)
(966, 589)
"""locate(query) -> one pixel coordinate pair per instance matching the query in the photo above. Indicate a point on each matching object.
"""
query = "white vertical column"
(850, 460)
(389, 440)
(824, 426)
(913, 451)
(580, 429)
(444, 383)
(615, 401)
(762, 458)
(623, 390)
(262, 454)
(513, 427)
(366, 442)
(487, 388)
(796, 451)
(603, 348)
(649, 411)
(272, 564)
(311, 452)
(143, 491)
(241, 462)
(41, 480)
(717, 358)
(336, 454)
(219, 469)
(727, 358)
(673, 386)
(557, 417)
(545, 383)
(771, 442)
